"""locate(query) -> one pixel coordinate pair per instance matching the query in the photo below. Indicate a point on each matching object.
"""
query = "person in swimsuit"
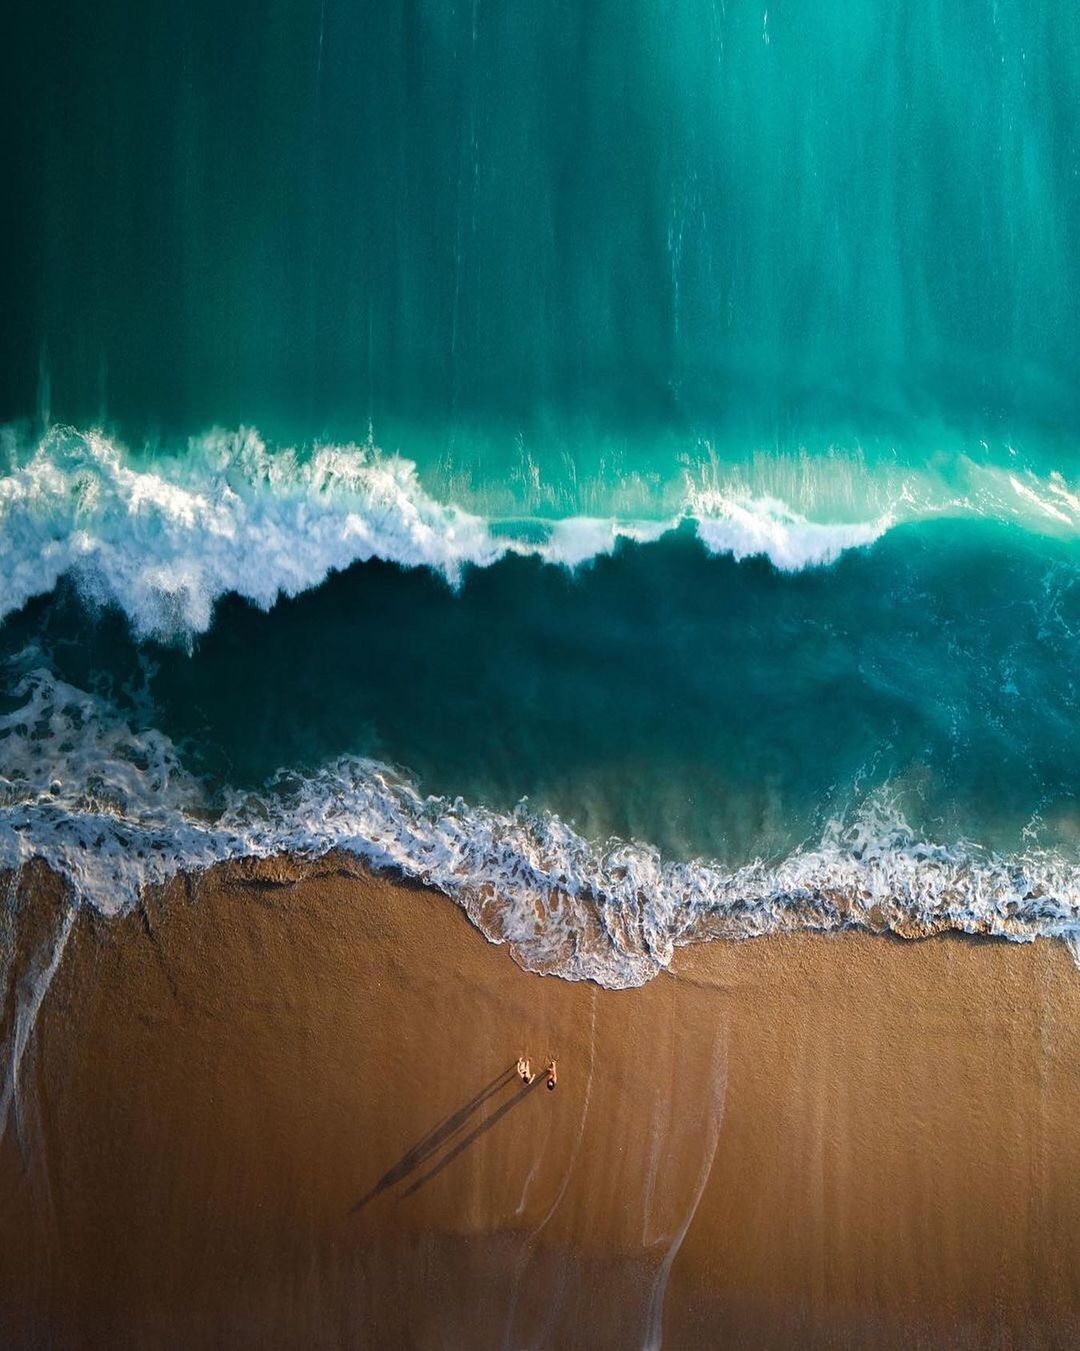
(525, 1070)
(552, 1076)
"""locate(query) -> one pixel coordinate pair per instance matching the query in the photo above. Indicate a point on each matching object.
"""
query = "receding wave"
(112, 810)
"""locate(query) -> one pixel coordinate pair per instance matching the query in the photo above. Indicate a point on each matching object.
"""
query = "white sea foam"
(762, 526)
(111, 810)
(165, 538)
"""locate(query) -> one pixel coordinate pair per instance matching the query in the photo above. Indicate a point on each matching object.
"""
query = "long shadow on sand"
(443, 1134)
(475, 1134)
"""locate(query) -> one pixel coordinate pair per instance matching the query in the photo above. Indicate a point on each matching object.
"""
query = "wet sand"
(260, 1114)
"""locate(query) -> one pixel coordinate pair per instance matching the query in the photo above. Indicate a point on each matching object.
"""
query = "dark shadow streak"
(475, 1134)
(438, 1135)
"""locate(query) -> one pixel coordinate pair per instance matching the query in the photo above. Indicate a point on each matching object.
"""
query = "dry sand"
(262, 1115)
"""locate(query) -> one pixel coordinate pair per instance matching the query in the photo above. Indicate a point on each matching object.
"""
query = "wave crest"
(165, 538)
(746, 527)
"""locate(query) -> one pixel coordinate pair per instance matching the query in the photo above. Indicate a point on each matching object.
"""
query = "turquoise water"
(644, 422)
(620, 228)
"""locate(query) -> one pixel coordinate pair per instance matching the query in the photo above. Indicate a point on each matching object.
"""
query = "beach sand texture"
(265, 1112)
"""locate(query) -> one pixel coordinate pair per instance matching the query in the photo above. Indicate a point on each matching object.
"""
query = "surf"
(112, 811)
(165, 535)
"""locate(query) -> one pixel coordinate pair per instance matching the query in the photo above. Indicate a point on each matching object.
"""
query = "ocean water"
(615, 462)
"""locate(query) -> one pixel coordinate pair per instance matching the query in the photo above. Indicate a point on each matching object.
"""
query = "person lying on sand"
(552, 1076)
(524, 1069)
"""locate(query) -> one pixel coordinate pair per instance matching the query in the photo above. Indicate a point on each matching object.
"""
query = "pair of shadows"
(444, 1133)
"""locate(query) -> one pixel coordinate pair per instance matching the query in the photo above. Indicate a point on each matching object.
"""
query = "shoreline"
(272, 1109)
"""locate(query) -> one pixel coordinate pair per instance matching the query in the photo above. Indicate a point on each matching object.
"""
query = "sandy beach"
(279, 1110)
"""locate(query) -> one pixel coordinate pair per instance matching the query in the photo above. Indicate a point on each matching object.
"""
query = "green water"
(775, 271)
(600, 234)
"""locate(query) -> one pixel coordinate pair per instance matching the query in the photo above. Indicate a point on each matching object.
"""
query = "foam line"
(112, 810)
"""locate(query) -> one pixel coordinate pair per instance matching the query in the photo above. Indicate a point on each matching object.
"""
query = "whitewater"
(165, 536)
(112, 811)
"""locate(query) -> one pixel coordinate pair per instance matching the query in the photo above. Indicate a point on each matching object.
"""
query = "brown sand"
(282, 1116)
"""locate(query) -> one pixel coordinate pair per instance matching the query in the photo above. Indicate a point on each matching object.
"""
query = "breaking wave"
(112, 810)
(164, 538)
